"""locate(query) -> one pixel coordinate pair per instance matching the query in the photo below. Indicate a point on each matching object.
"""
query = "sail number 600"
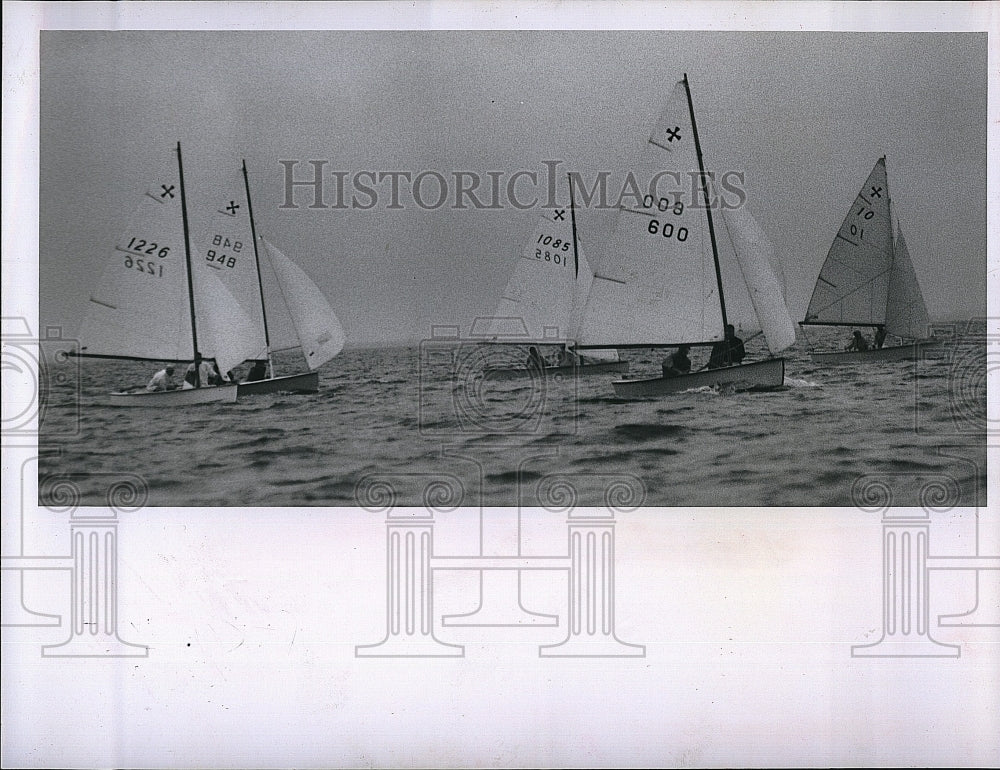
(668, 230)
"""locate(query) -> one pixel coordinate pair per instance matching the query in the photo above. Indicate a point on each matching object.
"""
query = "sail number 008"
(667, 230)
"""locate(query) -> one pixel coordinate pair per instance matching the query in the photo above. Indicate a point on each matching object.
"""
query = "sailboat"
(544, 299)
(230, 240)
(151, 306)
(868, 280)
(662, 283)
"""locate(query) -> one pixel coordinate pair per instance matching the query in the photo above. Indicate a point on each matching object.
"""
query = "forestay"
(853, 285)
(657, 282)
(318, 328)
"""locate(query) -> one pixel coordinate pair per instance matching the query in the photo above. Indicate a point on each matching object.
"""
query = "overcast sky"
(803, 115)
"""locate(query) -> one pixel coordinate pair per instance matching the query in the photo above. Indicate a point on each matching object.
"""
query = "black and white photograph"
(651, 336)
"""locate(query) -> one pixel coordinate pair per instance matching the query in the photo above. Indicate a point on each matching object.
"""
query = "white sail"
(906, 314)
(584, 281)
(227, 254)
(541, 288)
(141, 306)
(756, 258)
(853, 285)
(318, 328)
(657, 282)
(226, 332)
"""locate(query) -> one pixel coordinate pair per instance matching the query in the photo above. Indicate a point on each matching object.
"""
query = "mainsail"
(906, 314)
(658, 284)
(318, 328)
(542, 288)
(141, 308)
(853, 285)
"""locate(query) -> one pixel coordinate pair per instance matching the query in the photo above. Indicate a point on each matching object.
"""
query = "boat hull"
(760, 375)
(305, 382)
(877, 355)
(222, 394)
(513, 373)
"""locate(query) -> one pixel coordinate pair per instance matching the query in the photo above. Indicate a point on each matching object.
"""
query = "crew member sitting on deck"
(858, 343)
(162, 380)
(257, 372)
(727, 352)
(678, 363)
(535, 360)
(567, 357)
(879, 337)
(205, 373)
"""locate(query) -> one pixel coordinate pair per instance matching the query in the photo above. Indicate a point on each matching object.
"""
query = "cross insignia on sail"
(167, 191)
(560, 215)
(674, 133)
(230, 210)
(876, 192)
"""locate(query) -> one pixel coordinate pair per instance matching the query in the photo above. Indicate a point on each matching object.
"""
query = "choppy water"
(415, 424)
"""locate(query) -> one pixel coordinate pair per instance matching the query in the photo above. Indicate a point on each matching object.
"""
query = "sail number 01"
(667, 230)
(862, 212)
(554, 256)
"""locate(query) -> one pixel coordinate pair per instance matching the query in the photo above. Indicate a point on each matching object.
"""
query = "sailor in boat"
(535, 360)
(162, 380)
(567, 357)
(726, 352)
(879, 337)
(205, 374)
(257, 372)
(678, 363)
(858, 343)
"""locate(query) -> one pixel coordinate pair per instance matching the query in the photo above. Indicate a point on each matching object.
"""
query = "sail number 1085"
(558, 245)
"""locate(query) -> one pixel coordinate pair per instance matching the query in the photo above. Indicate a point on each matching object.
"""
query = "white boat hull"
(876, 355)
(222, 394)
(511, 373)
(760, 375)
(305, 382)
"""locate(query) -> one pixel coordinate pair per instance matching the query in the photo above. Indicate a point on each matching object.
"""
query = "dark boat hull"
(306, 382)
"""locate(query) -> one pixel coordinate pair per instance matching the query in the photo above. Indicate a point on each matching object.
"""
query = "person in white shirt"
(206, 375)
(162, 380)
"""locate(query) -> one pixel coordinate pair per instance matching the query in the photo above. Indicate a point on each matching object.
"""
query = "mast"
(260, 281)
(572, 216)
(187, 262)
(708, 208)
